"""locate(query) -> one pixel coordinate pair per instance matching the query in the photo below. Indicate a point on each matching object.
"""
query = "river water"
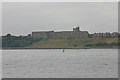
(54, 63)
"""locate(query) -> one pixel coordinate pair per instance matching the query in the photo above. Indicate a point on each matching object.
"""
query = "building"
(115, 34)
(76, 33)
(106, 35)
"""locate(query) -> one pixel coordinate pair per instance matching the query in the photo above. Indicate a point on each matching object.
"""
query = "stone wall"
(63, 34)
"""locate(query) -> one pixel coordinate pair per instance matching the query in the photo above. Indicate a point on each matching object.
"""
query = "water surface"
(53, 63)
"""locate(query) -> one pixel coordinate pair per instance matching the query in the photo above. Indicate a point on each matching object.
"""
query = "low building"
(106, 35)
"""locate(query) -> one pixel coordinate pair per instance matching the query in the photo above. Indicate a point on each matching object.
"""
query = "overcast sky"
(21, 18)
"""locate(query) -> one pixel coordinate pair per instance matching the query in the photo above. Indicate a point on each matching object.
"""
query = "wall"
(64, 34)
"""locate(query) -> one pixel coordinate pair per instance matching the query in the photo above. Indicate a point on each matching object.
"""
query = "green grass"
(70, 42)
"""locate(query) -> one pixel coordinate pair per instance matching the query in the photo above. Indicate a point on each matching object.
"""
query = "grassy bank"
(75, 43)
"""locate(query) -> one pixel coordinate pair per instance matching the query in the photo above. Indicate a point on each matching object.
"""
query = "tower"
(76, 29)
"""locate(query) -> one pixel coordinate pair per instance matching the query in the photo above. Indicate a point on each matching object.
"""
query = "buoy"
(63, 50)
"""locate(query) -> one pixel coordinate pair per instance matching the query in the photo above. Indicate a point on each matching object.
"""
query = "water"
(54, 63)
(0, 64)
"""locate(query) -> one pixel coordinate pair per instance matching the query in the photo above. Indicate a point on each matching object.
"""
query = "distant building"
(115, 34)
(76, 33)
(106, 35)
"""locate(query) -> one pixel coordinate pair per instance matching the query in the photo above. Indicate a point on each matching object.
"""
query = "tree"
(8, 35)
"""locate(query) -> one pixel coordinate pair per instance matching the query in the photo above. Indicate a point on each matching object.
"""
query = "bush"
(75, 45)
(101, 44)
(89, 45)
(113, 44)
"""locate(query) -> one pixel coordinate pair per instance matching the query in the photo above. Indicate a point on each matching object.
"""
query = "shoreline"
(22, 48)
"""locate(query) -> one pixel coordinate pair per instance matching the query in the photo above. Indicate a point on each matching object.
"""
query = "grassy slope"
(69, 43)
(0, 42)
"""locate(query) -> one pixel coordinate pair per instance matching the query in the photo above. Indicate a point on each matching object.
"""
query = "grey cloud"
(25, 17)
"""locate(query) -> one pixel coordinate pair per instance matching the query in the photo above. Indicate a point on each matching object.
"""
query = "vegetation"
(9, 41)
(14, 41)
(103, 44)
(0, 42)
(75, 43)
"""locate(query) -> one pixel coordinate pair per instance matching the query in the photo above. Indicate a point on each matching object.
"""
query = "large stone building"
(76, 33)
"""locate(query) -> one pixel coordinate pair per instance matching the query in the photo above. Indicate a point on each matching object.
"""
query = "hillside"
(74, 43)
(0, 41)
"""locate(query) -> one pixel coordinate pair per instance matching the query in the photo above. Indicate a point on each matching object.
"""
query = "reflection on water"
(54, 63)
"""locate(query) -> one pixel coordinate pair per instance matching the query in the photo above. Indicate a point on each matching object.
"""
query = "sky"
(21, 18)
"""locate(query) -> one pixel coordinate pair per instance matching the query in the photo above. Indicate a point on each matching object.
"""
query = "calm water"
(53, 63)
(0, 64)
